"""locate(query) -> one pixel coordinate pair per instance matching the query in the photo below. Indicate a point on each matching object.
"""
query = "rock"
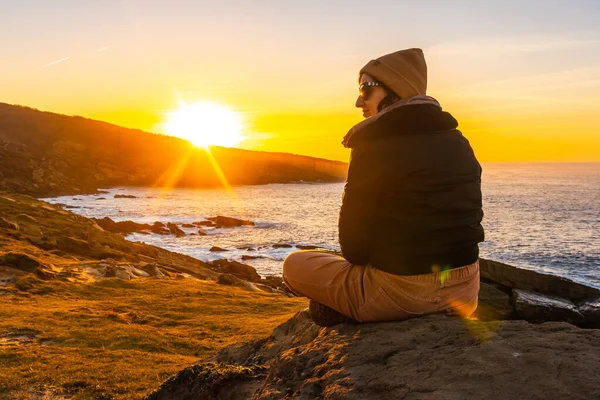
(26, 218)
(159, 228)
(152, 270)
(101, 198)
(306, 247)
(421, 358)
(124, 227)
(201, 232)
(188, 225)
(175, 230)
(269, 289)
(524, 279)
(276, 282)
(538, 307)
(228, 279)
(494, 303)
(110, 261)
(4, 223)
(229, 222)
(72, 245)
(27, 263)
(122, 273)
(591, 313)
(247, 257)
(204, 223)
(282, 246)
(238, 269)
(21, 261)
(213, 378)
(138, 272)
(217, 248)
(124, 196)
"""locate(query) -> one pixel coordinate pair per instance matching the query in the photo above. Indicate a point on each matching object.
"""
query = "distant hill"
(45, 154)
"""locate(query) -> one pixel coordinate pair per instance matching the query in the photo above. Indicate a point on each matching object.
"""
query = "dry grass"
(121, 339)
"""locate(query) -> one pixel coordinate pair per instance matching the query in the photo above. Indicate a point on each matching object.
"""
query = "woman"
(410, 220)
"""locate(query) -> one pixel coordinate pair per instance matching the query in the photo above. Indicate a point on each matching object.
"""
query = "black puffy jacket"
(412, 199)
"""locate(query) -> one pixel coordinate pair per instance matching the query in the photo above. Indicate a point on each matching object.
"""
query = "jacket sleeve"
(358, 205)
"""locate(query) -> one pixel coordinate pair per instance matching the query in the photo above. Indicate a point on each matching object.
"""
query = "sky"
(521, 77)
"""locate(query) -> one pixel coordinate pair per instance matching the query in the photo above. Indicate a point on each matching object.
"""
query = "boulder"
(229, 222)
(242, 271)
(524, 279)
(217, 248)
(422, 358)
(201, 232)
(175, 230)
(138, 272)
(24, 262)
(152, 270)
(124, 227)
(307, 247)
(591, 313)
(231, 280)
(124, 196)
(188, 225)
(6, 224)
(27, 263)
(282, 246)
(122, 273)
(494, 303)
(204, 223)
(538, 307)
(159, 228)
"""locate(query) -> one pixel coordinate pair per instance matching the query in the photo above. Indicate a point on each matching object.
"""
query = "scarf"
(418, 99)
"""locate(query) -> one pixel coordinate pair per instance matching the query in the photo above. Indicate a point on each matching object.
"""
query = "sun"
(206, 123)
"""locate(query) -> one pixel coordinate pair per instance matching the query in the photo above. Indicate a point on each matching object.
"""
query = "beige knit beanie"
(404, 72)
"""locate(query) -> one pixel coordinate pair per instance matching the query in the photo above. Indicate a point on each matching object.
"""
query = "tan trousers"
(367, 294)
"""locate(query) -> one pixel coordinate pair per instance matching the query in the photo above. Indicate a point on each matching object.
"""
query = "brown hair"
(389, 99)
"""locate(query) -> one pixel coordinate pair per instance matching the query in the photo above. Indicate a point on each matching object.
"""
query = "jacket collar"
(419, 114)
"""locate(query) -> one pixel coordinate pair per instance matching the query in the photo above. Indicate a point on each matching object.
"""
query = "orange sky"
(524, 84)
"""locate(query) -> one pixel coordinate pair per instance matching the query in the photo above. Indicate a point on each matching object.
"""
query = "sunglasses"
(366, 89)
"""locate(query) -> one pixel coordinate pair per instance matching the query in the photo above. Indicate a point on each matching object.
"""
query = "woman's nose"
(359, 102)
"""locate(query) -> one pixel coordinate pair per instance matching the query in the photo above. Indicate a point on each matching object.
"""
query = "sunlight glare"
(206, 123)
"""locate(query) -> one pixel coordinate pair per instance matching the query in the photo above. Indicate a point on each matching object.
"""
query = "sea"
(540, 216)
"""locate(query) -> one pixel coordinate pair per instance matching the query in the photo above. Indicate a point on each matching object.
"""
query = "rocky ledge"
(523, 343)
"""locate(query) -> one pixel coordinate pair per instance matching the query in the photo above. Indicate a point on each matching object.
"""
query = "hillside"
(86, 314)
(46, 154)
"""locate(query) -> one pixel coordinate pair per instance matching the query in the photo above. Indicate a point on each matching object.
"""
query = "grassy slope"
(112, 338)
(118, 339)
